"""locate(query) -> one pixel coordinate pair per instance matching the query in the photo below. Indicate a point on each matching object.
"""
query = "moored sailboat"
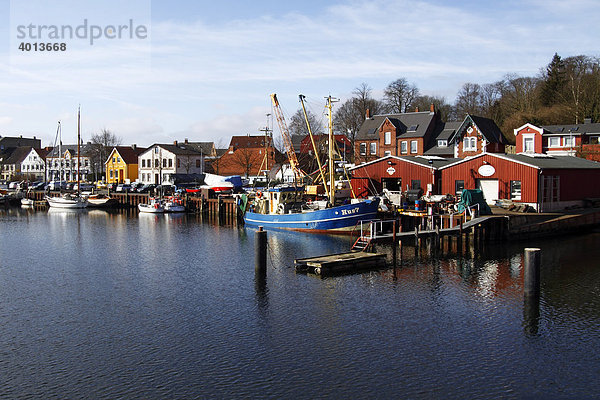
(69, 200)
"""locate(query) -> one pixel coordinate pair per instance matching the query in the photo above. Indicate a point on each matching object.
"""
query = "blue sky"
(206, 69)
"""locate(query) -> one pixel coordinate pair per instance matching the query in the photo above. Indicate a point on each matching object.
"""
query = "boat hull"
(151, 208)
(340, 219)
(62, 202)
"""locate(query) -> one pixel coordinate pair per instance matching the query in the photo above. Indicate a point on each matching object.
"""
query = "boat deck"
(341, 262)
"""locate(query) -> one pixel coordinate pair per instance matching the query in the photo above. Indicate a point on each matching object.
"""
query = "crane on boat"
(287, 139)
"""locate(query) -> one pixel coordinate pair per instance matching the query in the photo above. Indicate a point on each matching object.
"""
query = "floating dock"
(341, 262)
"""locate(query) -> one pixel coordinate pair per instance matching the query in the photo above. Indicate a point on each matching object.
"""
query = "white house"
(160, 162)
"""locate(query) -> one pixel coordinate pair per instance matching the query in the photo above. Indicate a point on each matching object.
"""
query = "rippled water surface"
(109, 305)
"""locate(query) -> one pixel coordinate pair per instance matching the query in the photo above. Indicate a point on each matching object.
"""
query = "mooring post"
(459, 246)
(260, 251)
(394, 255)
(417, 241)
(531, 274)
(437, 238)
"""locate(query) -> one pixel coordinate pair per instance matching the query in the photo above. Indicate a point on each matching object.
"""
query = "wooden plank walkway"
(454, 231)
(340, 262)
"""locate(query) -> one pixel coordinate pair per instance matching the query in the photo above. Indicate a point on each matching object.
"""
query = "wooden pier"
(341, 262)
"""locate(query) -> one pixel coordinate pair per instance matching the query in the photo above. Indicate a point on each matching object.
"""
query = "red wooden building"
(398, 173)
(547, 183)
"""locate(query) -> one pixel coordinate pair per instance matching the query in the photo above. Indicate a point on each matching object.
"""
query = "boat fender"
(258, 194)
(155, 205)
(281, 209)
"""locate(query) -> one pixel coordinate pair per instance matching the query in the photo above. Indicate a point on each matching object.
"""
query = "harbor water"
(118, 305)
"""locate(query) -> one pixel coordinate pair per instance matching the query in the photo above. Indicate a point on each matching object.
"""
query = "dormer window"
(442, 143)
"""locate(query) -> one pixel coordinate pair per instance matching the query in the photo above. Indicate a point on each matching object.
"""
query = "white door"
(490, 188)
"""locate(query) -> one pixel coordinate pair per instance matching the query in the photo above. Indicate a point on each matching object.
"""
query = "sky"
(204, 70)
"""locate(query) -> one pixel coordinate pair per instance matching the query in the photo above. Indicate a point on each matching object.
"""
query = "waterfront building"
(24, 162)
(122, 164)
(424, 133)
(581, 140)
(544, 182)
(159, 163)
(398, 174)
(63, 166)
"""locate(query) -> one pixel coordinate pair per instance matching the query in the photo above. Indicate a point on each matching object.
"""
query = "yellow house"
(122, 164)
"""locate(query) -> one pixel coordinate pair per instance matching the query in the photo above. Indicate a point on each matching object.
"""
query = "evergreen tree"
(553, 82)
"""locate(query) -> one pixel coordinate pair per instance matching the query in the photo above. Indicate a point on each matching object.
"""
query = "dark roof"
(576, 129)
(438, 162)
(8, 141)
(554, 162)
(541, 161)
(420, 121)
(205, 148)
(486, 126)
(130, 154)
(447, 129)
(18, 155)
(42, 152)
(297, 141)
(174, 149)
(440, 151)
(71, 148)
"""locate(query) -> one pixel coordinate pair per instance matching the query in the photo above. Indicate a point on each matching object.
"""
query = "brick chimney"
(134, 146)
(186, 141)
(368, 114)
(175, 143)
(417, 109)
(432, 108)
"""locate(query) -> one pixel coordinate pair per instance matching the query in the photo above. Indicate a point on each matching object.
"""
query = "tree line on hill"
(564, 92)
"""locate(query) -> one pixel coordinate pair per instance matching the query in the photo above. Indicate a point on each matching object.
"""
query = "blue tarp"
(236, 180)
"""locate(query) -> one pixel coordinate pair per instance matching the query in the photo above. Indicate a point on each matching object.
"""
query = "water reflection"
(173, 302)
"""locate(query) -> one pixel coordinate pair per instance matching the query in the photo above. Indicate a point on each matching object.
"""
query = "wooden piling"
(394, 255)
(531, 273)
(260, 251)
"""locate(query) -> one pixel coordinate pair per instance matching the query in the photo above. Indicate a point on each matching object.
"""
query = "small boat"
(155, 206)
(67, 200)
(101, 200)
(27, 202)
(174, 205)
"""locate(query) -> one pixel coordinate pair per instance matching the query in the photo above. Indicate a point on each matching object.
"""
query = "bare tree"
(297, 124)
(351, 114)
(101, 146)
(440, 105)
(399, 96)
(467, 101)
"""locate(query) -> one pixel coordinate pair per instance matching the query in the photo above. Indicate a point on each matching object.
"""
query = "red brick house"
(246, 156)
(477, 135)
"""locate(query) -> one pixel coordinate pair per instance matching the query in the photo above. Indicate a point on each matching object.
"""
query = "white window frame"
(404, 147)
(387, 153)
(568, 141)
(527, 138)
(373, 148)
(515, 194)
(414, 146)
(470, 144)
(555, 139)
(594, 139)
(363, 149)
(387, 138)
(442, 143)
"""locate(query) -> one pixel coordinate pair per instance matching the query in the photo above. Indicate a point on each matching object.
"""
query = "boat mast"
(330, 100)
(312, 140)
(78, 144)
(60, 161)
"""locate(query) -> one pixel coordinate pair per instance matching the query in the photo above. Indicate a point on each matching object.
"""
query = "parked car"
(100, 185)
(147, 188)
(83, 187)
(123, 187)
(57, 185)
(135, 186)
(39, 186)
(111, 186)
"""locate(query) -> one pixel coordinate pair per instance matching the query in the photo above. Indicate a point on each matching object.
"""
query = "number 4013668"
(25, 46)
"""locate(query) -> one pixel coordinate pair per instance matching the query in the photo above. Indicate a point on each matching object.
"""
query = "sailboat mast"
(78, 143)
(331, 163)
(60, 161)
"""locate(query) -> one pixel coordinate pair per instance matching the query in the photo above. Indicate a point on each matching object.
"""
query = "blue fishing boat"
(283, 208)
(288, 207)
